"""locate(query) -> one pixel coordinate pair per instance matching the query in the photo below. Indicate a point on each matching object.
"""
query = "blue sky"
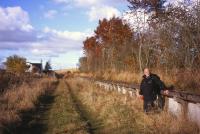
(51, 29)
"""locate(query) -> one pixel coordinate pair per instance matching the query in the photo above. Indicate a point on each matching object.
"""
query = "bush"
(16, 64)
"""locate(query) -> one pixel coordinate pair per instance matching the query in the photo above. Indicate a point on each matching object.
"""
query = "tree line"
(18, 65)
(171, 40)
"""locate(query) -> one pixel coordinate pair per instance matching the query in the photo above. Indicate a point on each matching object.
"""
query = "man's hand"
(141, 97)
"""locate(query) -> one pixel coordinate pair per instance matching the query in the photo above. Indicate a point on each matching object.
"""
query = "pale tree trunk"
(140, 57)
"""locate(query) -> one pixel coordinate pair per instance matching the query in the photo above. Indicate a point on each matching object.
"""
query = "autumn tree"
(109, 47)
(16, 64)
(164, 37)
(170, 40)
(92, 51)
(114, 36)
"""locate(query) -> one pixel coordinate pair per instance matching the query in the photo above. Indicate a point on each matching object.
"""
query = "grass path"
(33, 121)
(63, 117)
(56, 113)
(93, 123)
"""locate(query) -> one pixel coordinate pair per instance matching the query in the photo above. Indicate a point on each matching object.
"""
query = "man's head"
(146, 72)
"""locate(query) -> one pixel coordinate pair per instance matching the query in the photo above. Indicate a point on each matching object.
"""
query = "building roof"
(38, 65)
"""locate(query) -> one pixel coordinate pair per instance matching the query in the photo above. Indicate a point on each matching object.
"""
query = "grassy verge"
(183, 80)
(63, 116)
(18, 100)
(93, 123)
(122, 115)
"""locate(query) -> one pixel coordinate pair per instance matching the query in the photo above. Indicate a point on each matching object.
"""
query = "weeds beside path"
(58, 111)
(34, 122)
(120, 114)
(93, 123)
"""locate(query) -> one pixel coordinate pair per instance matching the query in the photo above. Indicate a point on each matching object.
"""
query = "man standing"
(150, 88)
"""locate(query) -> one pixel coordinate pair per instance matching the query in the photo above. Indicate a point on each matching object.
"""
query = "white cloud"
(87, 2)
(66, 34)
(56, 45)
(50, 14)
(17, 36)
(15, 25)
(14, 18)
(100, 12)
(96, 9)
(80, 3)
(53, 43)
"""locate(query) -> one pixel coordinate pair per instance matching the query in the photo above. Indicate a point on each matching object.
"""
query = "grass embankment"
(16, 101)
(183, 80)
(119, 114)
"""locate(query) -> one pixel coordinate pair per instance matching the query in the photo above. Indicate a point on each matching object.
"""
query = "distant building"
(34, 67)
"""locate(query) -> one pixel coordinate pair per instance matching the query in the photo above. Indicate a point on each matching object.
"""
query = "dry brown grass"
(21, 98)
(63, 71)
(121, 114)
(181, 79)
(11, 80)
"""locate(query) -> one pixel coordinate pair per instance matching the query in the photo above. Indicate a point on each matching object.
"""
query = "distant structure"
(34, 67)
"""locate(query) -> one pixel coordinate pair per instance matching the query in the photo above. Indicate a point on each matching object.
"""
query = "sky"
(51, 29)
(55, 29)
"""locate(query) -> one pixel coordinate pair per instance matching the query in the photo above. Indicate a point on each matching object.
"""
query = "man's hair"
(146, 68)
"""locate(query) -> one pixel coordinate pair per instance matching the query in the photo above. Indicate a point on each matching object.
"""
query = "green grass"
(63, 116)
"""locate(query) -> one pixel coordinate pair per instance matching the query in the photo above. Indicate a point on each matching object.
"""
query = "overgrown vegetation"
(19, 99)
(63, 116)
(16, 64)
(163, 38)
(115, 113)
(10, 80)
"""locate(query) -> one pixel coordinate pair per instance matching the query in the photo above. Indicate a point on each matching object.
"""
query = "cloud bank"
(96, 9)
(17, 34)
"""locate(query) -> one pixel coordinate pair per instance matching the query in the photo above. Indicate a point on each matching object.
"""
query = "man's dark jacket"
(150, 87)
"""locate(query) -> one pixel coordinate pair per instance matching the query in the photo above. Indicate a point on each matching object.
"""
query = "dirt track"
(57, 112)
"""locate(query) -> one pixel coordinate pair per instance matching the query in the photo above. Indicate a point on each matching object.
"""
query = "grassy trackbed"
(93, 123)
(77, 106)
(63, 117)
(55, 113)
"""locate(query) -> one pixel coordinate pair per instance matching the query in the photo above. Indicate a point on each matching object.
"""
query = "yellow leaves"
(16, 64)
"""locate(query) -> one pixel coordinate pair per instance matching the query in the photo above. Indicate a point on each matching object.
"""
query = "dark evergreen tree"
(48, 66)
